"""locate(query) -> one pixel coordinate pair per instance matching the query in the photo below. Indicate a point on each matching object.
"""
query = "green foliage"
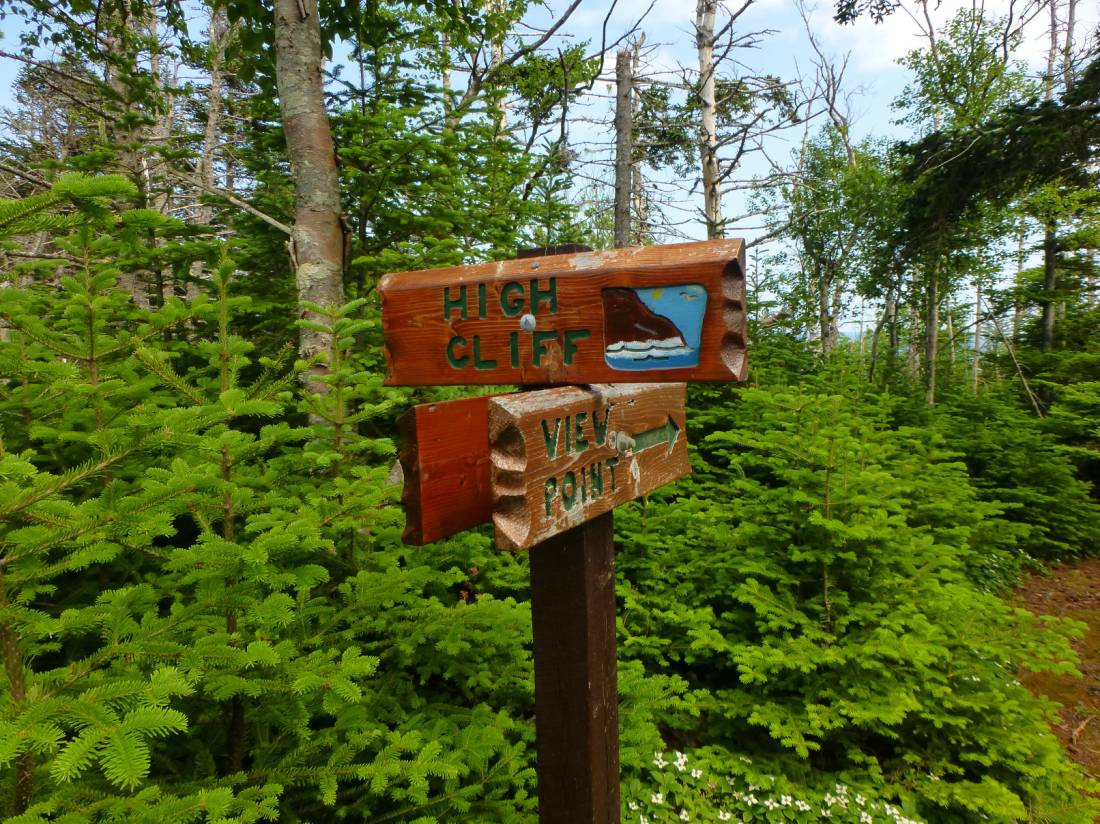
(206, 613)
(810, 589)
(203, 606)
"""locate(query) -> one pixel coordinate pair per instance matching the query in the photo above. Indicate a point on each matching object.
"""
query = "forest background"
(206, 613)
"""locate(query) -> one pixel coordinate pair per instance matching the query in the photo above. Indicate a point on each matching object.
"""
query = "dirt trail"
(1072, 591)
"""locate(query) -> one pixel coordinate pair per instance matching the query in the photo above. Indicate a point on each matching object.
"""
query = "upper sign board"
(641, 314)
(559, 457)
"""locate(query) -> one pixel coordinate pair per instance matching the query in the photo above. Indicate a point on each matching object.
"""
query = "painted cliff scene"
(654, 328)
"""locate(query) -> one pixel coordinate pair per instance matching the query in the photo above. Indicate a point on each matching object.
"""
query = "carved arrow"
(665, 433)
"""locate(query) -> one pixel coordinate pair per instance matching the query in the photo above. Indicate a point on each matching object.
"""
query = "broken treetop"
(642, 314)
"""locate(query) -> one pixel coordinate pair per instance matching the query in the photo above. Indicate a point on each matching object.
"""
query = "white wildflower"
(657, 798)
(696, 773)
(684, 815)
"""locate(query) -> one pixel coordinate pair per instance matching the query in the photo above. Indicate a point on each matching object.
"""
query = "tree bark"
(705, 13)
(884, 320)
(496, 58)
(1017, 304)
(977, 331)
(1049, 284)
(624, 140)
(932, 333)
(825, 315)
(219, 36)
(317, 241)
(637, 183)
(1067, 54)
(1052, 52)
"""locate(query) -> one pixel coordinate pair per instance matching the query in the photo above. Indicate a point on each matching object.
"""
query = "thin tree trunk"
(1067, 53)
(1019, 370)
(637, 184)
(496, 57)
(705, 13)
(977, 331)
(1052, 52)
(892, 328)
(624, 140)
(219, 36)
(317, 243)
(1049, 285)
(950, 322)
(932, 333)
(449, 119)
(825, 316)
(1017, 304)
(862, 309)
(884, 320)
(126, 131)
(11, 655)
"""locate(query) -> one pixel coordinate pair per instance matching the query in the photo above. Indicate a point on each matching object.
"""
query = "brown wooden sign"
(444, 458)
(650, 313)
(559, 457)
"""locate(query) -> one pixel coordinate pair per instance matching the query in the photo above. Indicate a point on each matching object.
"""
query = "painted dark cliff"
(628, 320)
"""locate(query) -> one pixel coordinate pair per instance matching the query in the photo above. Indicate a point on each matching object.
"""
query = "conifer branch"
(163, 370)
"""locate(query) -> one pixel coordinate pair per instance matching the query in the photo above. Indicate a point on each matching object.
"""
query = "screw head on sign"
(527, 323)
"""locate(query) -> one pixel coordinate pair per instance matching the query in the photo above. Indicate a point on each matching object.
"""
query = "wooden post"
(576, 676)
(576, 688)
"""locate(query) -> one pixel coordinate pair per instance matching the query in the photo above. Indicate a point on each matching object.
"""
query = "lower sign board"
(559, 457)
(642, 314)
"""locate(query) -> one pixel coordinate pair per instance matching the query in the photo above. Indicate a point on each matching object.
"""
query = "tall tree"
(317, 242)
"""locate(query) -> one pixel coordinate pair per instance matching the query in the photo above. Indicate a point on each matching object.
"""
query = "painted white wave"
(649, 349)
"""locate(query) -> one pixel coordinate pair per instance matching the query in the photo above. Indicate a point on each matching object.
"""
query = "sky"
(873, 79)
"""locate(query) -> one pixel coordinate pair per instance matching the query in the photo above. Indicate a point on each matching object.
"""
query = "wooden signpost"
(650, 313)
(549, 465)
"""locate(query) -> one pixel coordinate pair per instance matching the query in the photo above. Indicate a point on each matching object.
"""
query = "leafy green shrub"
(815, 591)
(1012, 460)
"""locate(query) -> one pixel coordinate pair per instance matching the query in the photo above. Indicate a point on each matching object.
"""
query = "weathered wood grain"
(576, 694)
(559, 457)
(444, 456)
(544, 320)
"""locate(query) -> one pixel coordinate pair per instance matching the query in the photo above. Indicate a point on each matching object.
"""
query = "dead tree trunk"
(705, 13)
(624, 129)
(317, 240)
(637, 182)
